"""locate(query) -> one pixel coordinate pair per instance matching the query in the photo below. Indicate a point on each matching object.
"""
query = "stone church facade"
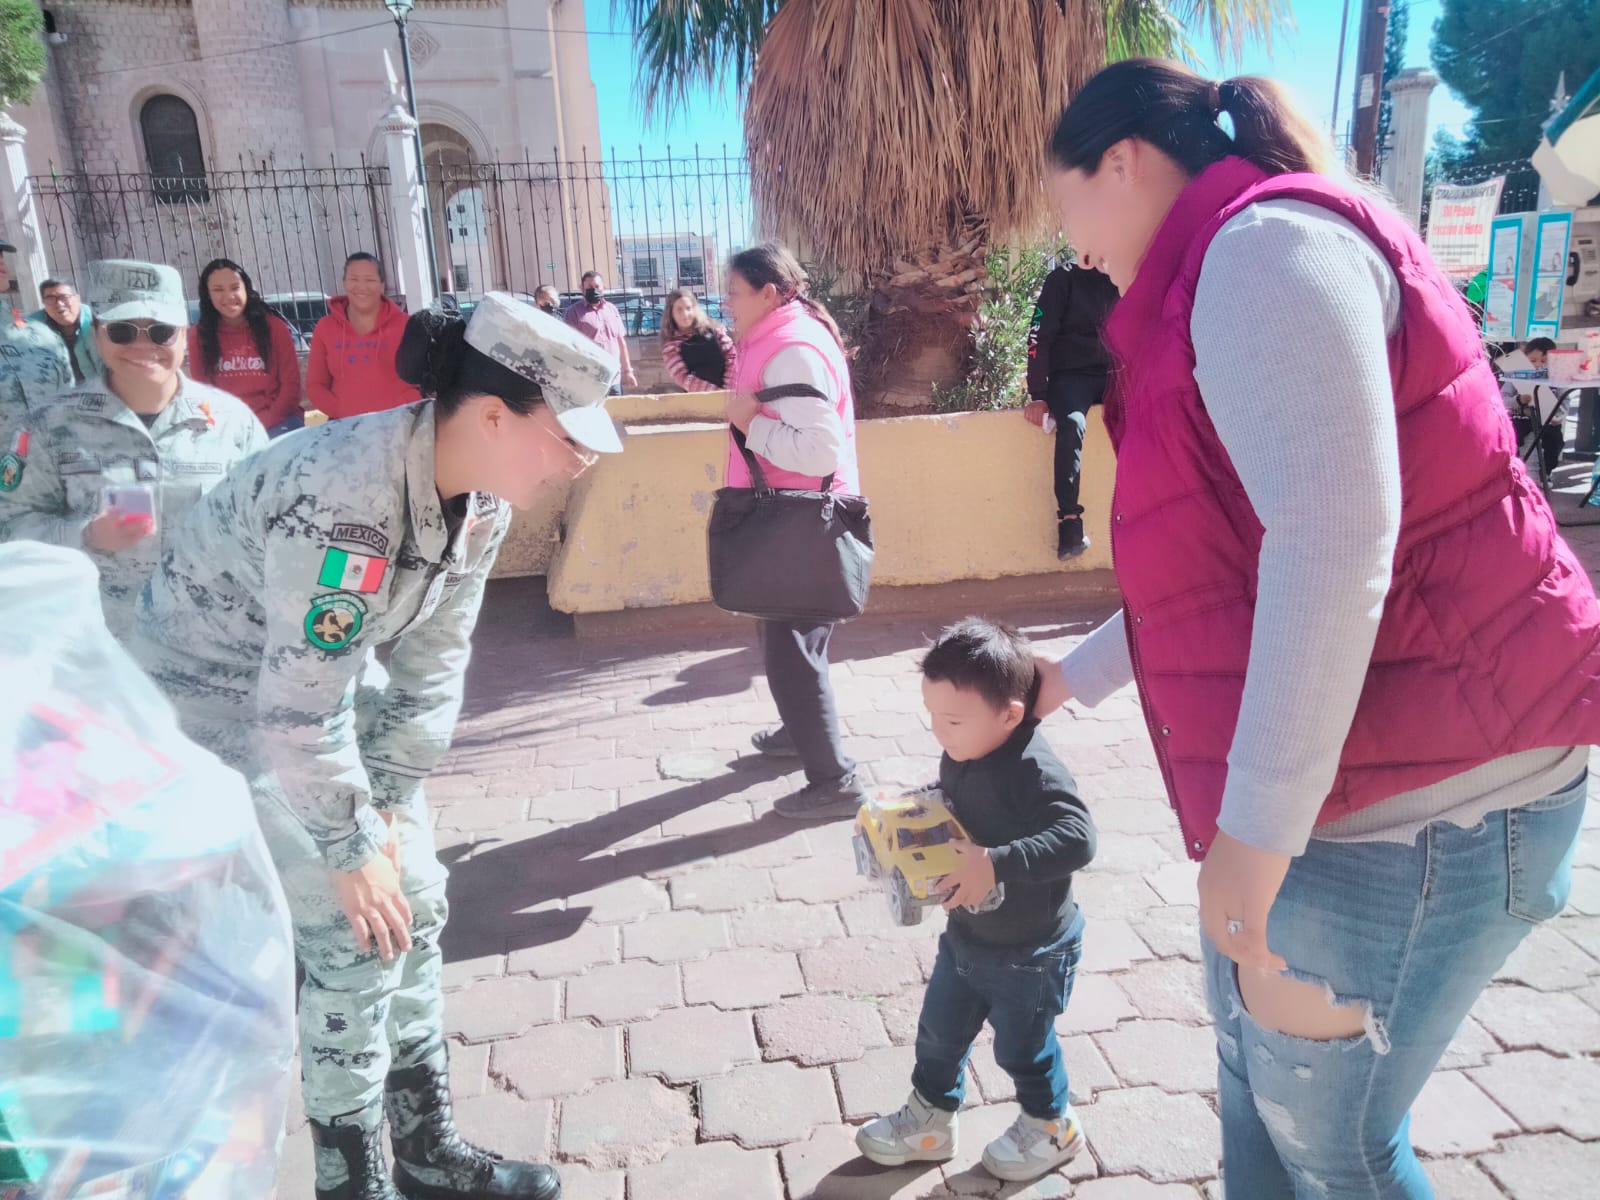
(271, 96)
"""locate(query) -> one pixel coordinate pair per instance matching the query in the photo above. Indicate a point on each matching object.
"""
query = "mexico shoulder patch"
(332, 622)
(350, 572)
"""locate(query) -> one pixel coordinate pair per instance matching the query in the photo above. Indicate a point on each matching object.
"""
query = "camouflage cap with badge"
(121, 289)
(573, 374)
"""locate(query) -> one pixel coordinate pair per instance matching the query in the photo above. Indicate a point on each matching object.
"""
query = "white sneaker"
(919, 1132)
(1032, 1147)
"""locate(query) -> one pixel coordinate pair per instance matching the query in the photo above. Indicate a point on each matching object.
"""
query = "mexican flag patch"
(348, 572)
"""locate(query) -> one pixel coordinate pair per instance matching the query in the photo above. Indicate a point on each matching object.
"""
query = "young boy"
(1015, 964)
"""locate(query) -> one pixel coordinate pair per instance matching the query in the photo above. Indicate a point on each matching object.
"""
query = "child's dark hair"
(1540, 343)
(434, 357)
(977, 655)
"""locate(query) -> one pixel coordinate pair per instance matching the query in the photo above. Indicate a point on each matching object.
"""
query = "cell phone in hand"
(131, 500)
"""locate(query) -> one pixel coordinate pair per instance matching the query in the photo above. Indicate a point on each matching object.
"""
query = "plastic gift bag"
(146, 966)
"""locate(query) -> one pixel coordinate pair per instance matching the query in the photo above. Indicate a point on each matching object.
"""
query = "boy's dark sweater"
(1022, 803)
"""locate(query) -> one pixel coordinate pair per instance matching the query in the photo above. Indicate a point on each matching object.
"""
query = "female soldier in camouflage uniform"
(112, 466)
(261, 625)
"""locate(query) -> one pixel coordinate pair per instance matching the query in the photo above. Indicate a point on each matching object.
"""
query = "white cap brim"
(591, 427)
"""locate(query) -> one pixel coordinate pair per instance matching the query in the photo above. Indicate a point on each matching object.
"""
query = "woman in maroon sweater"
(244, 348)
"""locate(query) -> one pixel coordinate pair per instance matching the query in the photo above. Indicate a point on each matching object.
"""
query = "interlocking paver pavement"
(632, 928)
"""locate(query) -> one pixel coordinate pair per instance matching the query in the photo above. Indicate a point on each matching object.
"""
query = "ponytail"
(434, 357)
(1176, 111)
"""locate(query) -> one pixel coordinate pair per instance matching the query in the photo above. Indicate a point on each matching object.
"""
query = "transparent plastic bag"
(146, 965)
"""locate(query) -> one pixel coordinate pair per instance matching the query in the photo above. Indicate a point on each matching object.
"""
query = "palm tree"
(896, 141)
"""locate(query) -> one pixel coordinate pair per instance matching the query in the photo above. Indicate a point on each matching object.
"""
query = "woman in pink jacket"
(787, 338)
(1369, 664)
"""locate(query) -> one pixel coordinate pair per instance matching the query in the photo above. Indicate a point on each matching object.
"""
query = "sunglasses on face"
(60, 298)
(126, 333)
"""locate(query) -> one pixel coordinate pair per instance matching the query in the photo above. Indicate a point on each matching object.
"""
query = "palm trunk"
(918, 335)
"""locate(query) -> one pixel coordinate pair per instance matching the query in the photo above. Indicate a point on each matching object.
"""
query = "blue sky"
(1304, 58)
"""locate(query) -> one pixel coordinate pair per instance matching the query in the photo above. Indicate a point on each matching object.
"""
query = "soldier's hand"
(113, 532)
(376, 907)
(1053, 689)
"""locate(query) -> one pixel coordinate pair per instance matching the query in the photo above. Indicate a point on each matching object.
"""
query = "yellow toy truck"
(903, 842)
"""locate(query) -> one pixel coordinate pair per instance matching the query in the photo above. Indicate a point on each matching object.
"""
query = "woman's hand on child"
(973, 878)
(1053, 689)
(1238, 884)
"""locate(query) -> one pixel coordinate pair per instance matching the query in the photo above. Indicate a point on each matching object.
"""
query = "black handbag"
(789, 555)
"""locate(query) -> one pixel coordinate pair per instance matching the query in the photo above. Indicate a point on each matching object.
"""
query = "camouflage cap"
(574, 374)
(120, 289)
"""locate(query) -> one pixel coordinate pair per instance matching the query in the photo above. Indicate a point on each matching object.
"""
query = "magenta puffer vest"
(1490, 638)
(791, 325)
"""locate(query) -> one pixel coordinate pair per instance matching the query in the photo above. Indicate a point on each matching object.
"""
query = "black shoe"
(824, 801)
(432, 1161)
(350, 1163)
(775, 743)
(1070, 538)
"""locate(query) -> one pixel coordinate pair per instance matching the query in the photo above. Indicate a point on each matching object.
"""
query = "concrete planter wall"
(964, 496)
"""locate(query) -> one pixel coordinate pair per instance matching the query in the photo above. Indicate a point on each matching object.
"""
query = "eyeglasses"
(60, 297)
(586, 458)
(126, 333)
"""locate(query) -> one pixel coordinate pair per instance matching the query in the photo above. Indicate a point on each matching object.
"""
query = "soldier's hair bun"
(432, 351)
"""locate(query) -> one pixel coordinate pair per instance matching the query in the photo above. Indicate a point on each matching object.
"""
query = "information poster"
(1458, 225)
(1549, 274)
(1505, 254)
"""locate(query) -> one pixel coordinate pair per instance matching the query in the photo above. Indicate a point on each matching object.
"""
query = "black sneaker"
(824, 801)
(775, 743)
(1071, 541)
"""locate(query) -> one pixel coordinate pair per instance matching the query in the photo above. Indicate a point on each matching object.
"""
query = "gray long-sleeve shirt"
(1291, 320)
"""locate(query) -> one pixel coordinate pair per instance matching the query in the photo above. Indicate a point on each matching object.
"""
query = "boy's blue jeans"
(1020, 991)
(1411, 933)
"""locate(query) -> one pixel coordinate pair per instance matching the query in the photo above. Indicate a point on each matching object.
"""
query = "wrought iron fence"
(649, 224)
(290, 228)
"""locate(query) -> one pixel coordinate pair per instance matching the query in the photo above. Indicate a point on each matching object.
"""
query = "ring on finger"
(1235, 928)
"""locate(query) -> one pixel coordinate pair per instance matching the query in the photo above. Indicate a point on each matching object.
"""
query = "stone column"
(19, 216)
(408, 210)
(1408, 127)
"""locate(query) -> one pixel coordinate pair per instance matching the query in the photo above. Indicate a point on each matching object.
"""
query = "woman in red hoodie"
(352, 351)
(244, 348)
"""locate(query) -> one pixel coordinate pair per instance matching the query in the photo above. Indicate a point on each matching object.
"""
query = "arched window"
(172, 150)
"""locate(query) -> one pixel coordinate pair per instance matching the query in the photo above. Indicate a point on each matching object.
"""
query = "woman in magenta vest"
(784, 337)
(1367, 659)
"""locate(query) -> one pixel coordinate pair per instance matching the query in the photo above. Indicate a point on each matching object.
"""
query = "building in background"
(180, 130)
(660, 262)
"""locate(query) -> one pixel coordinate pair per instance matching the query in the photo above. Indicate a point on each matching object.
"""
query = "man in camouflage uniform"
(33, 367)
(262, 624)
(155, 430)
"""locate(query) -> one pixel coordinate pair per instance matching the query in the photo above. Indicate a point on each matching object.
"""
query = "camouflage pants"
(359, 1016)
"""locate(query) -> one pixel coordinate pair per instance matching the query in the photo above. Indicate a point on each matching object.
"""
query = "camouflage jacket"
(86, 440)
(33, 368)
(332, 542)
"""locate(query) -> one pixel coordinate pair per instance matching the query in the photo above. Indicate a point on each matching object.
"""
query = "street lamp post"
(400, 10)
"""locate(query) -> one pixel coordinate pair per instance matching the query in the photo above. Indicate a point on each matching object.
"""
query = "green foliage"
(21, 50)
(850, 307)
(1000, 333)
(1394, 60)
(1503, 58)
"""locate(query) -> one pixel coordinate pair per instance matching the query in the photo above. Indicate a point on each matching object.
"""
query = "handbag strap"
(767, 396)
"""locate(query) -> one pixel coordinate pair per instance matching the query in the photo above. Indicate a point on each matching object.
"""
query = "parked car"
(300, 330)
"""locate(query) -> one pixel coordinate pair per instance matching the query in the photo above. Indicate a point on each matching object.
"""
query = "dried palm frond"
(854, 129)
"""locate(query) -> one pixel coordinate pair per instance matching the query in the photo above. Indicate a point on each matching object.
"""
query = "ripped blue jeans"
(1411, 933)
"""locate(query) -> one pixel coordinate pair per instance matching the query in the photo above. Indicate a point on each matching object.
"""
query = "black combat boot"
(432, 1161)
(1070, 538)
(350, 1164)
